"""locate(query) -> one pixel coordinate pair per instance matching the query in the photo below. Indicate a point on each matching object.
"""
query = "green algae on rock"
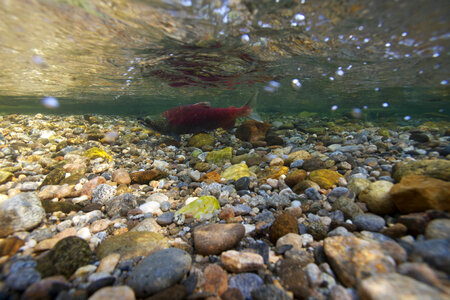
(95, 152)
(325, 178)
(5, 176)
(66, 207)
(219, 157)
(132, 244)
(201, 139)
(65, 258)
(202, 206)
(54, 177)
(236, 171)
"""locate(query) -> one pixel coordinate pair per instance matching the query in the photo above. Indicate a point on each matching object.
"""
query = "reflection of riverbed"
(84, 49)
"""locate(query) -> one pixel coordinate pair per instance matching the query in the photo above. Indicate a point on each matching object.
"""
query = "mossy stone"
(325, 178)
(348, 207)
(95, 152)
(201, 139)
(275, 172)
(74, 178)
(65, 258)
(54, 177)
(438, 168)
(219, 157)
(201, 206)
(66, 207)
(236, 171)
(295, 177)
(5, 176)
(251, 159)
(202, 166)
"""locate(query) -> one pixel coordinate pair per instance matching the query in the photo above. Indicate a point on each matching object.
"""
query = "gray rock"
(103, 193)
(313, 194)
(369, 222)
(165, 219)
(20, 280)
(296, 164)
(242, 183)
(246, 283)
(435, 252)
(158, 197)
(241, 209)
(278, 201)
(336, 193)
(269, 291)
(159, 271)
(438, 229)
(20, 212)
(165, 206)
(120, 205)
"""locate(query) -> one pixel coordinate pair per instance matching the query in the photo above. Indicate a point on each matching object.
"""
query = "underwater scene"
(224, 149)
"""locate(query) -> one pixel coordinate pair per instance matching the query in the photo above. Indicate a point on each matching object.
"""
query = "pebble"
(242, 184)
(269, 291)
(369, 222)
(165, 218)
(159, 271)
(284, 224)
(216, 280)
(245, 283)
(103, 193)
(122, 292)
(238, 262)
(215, 238)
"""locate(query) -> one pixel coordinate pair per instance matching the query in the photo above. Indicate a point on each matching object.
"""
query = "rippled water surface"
(129, 57)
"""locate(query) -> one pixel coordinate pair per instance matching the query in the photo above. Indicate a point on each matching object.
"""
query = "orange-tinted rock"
(275, 172)
(325, 178)
(296, 176)
(211, 176)
(10, 246)
(301, 154)
(235, 261)
(417, 193)
(284, 224)
(354, 259)
(216, 280)
(144, 177)
(215, 238)
(252, 131)
(226, 213)
(121, 176)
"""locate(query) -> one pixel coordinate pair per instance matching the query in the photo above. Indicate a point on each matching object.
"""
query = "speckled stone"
(216, 280)
(284, 224)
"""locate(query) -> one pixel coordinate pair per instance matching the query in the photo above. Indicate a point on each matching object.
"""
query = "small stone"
(132, 244)
(377, 197)
(200, 140)
(150, 207)
(300, 187)
(284, 224)
(65, 207)
(313, 194)
(46, 288)
(421, 272)
(357, 185)
(95, 152)
(165, 219)
(99, 225)
(103, 193)
(148, 224)
(232, 294)
(202, 206)
(338, 192)
(297, 155)
(293, 278)
(54, 177)
(269, 291)
(416, 193)
(219, 157)
(325, 178)
(144, 177)
(434, 252)
(23, 211)
(121, 292)
(109, 263)
(89, 186)
(295, 177)
(395, 231)
(245, 283)
(215, 238)
(318, 230)
(396, 286)
(348, 207)
(216, 280)
(236, 171)
(395, 251)
(159, 271)
(291, 239)
(369, 222)
(438, 229)
(121, 176)
(238, 262)
(354, 259)
(120, 205)
(226, 213)
(5, 176)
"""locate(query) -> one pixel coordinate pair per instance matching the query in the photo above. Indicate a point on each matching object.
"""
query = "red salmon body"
(202, 117)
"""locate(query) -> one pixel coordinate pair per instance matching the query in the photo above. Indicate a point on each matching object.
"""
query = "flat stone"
(291, 239)
(46, 288)
(132, 244)
(377, 197)
(20, 212)
(216, 280)
(165, 219)
(215, 238)
(109, 263)
(149, 224)
(396, 286)
(159, 271)
(245, 283)
(434, 252)
(238, 262)
(58, 191)
(369, 222)
(293, 278)
(353, 259)
(416, 193)
(121, 292)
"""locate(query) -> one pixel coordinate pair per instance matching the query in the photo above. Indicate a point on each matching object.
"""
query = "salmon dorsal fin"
(203, 104)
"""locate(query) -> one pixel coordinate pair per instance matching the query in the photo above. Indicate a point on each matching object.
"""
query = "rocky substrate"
(97, 207)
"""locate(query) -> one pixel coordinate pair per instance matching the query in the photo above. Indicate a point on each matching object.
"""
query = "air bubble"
(340, 72)
(365, 107)
(296, 84)
(377, 89)
(436, 54)
(299, 17)
(356, 112)
(50, 102)
(334, 107)
(387, 45)
(385, 104)
(404, 33)
(245, 38)
(331, 78)
(444, 82)
(366, 40)
(407, 118)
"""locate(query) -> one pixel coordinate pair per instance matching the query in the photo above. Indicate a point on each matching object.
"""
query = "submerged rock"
(439, 169)
(201, 140)
(95, 152)
(284, 224)
(236, 171)
(219, 157)
(377, 197)
(215, 238)
(325, 178)
(202, 206)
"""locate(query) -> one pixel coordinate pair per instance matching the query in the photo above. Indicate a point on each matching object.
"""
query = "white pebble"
(150, 207)
(84, 233)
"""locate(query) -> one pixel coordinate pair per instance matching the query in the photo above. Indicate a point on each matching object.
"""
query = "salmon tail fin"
(251, 105)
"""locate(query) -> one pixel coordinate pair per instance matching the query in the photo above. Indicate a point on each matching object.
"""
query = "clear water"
(121, 57)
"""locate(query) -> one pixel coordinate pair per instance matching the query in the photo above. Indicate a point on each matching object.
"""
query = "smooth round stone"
(165, 219)
(165, 205)
(438, 229)
(336, 193)
(122, 292)
(159, 271)
(46, 288)
(215, 238)
(158, 197)
(313, 194)
(238, 262)
(150, 207)
(434, 252)
(245, 283)
(20, 280)
(242, 183)
(369, 222)
(296, 203)
(296, 164)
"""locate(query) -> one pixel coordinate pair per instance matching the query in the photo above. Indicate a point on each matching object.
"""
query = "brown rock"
(252, 131)
(395, 231)
(417, 193)
(176, 292)
(300, 154)
(439, 169)
(89, 186)
(46, 289)
(421, 272)
(109, 263)
(238, 262)
(300, 187)
(354, 259)
(121, 176)
(216, 280)
(394, 250)
(284, 224)
(9, 246)
(144, 177)
(415, 222)
(213, 176)
(295, 177)
(121, 292)
(232, 294)
(226, 213)
(294, 279)
(291, 239)
(215, 238)
(58, 191)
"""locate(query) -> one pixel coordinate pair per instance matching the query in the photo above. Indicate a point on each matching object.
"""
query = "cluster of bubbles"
(50, 102)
